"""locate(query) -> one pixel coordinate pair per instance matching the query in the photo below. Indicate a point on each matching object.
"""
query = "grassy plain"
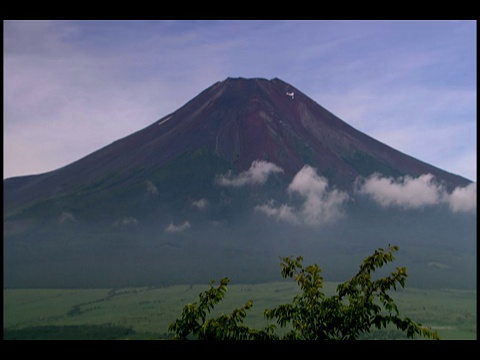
(145, 313)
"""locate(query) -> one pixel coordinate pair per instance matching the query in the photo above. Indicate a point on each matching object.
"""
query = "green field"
(145, 313)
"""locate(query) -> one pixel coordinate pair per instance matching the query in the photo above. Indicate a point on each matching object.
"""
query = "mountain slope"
(171, 196)
(238, 121)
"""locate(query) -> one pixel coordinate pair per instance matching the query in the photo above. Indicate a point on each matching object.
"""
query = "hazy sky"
(72, 87)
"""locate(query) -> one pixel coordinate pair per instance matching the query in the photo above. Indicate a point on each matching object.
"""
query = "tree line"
(358, 307)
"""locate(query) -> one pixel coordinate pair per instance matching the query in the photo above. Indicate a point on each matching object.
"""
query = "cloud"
(67, 94)
(151, 188)
(413, 193)
(200, 204)
(126, 221)
(257, 174)
(404, 192)
(283, 212)
(319, 204)
(177, 228)
(66, 216)
(464, 199)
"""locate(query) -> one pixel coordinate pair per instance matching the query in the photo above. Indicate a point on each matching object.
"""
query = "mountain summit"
(186, 169)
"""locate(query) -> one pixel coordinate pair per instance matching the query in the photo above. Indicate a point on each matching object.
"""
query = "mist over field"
(242, 231)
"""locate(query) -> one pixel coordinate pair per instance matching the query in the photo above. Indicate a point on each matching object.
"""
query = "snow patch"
(165, 120)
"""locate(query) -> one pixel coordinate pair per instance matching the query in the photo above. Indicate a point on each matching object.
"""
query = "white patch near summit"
(164, 121)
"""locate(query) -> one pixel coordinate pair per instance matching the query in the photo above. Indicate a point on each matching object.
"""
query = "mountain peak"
(257, 81)
(238, 121)
(243, 79)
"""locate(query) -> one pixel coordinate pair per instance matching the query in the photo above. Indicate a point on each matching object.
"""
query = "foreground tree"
(359, 306)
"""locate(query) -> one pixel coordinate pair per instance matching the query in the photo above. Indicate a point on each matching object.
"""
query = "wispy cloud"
(177, 228)
(66, 95)
(413, 193)
(126, 221)
(257, 174)
(200, 204)
(66, 216)
(283, 212)
(151, 188)
(320, 205)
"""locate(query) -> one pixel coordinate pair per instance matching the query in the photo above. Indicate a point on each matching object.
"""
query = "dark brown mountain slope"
(239, 121)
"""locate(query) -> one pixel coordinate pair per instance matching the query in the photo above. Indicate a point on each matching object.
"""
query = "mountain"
(225, 185)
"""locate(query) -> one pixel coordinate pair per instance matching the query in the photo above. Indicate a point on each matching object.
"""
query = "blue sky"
(72, 87)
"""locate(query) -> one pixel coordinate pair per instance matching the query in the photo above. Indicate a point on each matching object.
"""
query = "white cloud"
(405, 192)
(463, 199)
(126, 221)
(283, 212)
(151, 188)
(200, 204)
(66, 216)
(257, 174)
(320, 205)
(177, 228)
(413, 193)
